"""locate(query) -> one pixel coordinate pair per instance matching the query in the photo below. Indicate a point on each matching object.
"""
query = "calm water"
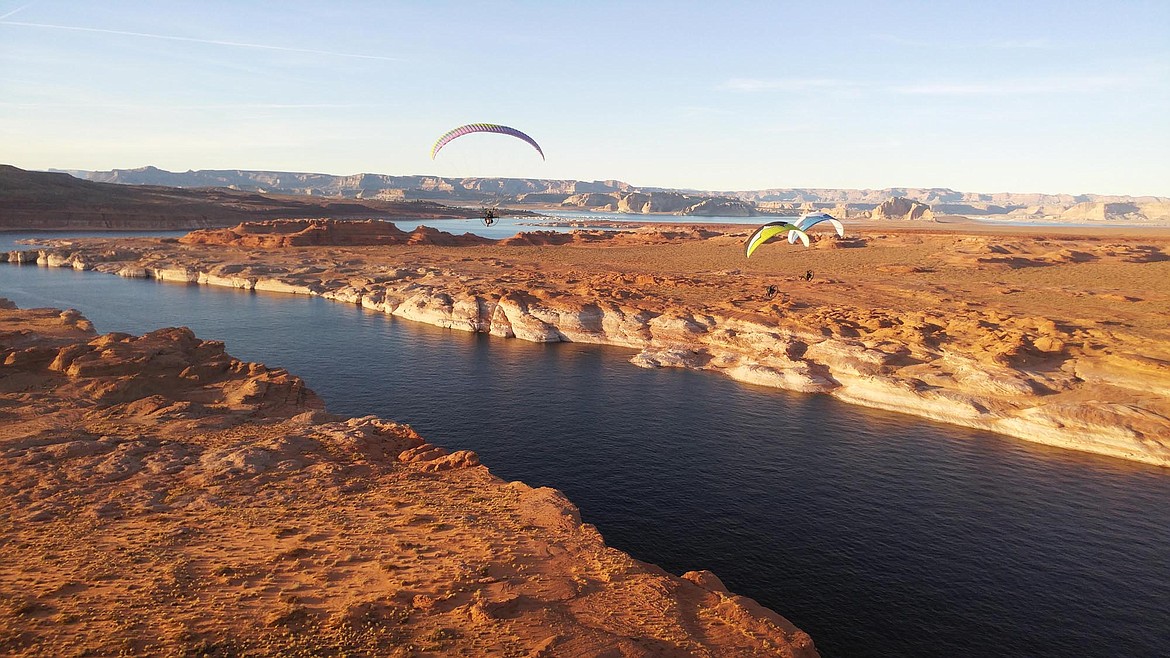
(504, 227)
(879, 534)
(651, 219)
(10, 240)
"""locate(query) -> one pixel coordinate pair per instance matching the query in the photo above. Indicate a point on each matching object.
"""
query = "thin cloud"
(701, 111)
(18, 10)
(785, 84)
(1022, 44)
(221, 106)
(1067, 85)
(214, 42)
(1000, 44)
(791, 128)
(881, 143)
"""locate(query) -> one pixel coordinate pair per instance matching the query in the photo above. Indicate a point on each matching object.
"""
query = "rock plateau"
(1057, 337)
(163, 498)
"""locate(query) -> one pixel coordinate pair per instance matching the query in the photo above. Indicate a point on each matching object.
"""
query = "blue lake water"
(576, 215)
(879, 534)
(10, 240)
(504, 227)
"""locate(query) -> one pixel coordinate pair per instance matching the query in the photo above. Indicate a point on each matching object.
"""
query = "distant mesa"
(1118, 211)
(357, 186)
(40, 200)
(326, 232)
(373, 193)
(902, 208)
(718, 207)
(588, 200)
(661, 202)
(284, 233)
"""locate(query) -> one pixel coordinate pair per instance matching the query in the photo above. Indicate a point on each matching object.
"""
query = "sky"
(1053, 96)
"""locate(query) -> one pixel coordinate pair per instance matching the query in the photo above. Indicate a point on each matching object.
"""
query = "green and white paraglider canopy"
(811, 219)
(770, 230)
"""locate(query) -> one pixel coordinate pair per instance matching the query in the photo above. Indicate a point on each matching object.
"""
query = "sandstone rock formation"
(285, 233)
(1054, 339)
(662, 202)
(352, 185)
(325, 232)
(606, 194)
(1099, 211)
(721, 207)
(163, 498)
(902, 208)
(357, 185)
(37, 200)
(592, 201)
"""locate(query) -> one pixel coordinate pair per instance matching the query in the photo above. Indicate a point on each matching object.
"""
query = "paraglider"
(769, 231)
(482, 128)
(810, 220)
(489, 216)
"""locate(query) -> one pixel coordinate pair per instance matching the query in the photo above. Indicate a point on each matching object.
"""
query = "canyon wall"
(1016, 375)
(168, 499)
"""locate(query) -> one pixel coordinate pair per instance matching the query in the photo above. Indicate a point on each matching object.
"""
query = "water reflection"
(879, 534)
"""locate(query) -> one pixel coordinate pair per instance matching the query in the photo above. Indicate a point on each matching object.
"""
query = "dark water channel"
(879, 534)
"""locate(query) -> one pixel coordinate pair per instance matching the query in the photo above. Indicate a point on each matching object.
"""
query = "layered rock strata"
(163, 498)
(1056, 340)
(33, 200)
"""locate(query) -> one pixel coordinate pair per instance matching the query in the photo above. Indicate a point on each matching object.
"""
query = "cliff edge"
(164, 498)
(1054, 338)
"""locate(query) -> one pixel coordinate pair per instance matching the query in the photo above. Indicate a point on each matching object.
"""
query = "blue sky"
(1044, 96)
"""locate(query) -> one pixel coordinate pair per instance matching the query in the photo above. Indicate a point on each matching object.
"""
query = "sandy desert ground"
(168, 499)
(163, 498)
(1051, 334)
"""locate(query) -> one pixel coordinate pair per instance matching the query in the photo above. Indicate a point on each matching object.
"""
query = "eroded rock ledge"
(163, 498)
(897, 340)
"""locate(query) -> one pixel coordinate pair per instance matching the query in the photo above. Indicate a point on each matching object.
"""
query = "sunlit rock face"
(919, 321)
(168, 498)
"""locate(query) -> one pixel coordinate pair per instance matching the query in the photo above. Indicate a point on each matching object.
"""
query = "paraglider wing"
(769, 231)
(808, 221)
(482, 128)
(802, 235)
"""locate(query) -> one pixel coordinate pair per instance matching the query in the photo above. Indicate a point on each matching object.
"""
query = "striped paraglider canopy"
(482, 128)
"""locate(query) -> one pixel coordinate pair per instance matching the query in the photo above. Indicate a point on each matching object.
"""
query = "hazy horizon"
(591, 180)
(1042, 98)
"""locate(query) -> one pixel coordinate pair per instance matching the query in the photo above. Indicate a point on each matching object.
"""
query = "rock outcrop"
(163, 498)
(36, 200)
(591, 201)
(1100, 211)
(326, 232)
(917, 322)
(902, 208)
(354, 185)
(605, 195)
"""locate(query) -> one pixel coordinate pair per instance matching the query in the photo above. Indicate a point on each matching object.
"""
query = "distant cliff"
(219, 502)
(902, 208)
(662, 202)
(618, 196)
(356, 186)
(39, 200)
(1142, 210)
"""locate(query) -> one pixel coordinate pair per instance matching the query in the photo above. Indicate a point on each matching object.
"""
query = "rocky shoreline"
(165, 498)
(1083, 385)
